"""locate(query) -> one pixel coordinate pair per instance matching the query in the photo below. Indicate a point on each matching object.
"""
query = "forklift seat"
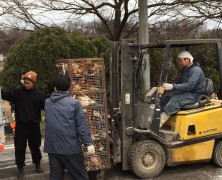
(203, 99)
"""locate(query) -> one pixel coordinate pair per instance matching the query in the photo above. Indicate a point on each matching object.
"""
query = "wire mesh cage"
(88, 86)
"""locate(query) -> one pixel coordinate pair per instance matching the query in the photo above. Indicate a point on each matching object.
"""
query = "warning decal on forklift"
(127, 98)
(210, 130)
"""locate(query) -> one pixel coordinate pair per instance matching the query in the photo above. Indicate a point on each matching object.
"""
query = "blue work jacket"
(66, 125)
(192, 79)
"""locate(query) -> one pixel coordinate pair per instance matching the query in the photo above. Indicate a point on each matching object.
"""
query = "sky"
(61, 17)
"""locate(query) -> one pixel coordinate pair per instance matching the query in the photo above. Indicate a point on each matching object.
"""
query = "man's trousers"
(172, 102)
(30, 133)
(74, 163)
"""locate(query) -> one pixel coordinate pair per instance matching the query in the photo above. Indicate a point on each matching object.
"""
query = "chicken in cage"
(88, 86)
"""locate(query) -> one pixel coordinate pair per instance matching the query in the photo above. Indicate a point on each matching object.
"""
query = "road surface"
(199, 171)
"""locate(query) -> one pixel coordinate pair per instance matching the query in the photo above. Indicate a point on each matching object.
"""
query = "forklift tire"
(217, 154)
(147, 159)
(132, 149)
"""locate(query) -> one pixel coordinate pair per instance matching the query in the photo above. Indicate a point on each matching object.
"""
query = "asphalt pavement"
(198, 171)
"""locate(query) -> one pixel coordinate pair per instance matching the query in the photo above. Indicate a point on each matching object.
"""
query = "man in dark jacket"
(189, 86)
(66, 129)
(28, 104)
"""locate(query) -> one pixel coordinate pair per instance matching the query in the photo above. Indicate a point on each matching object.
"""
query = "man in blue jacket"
(66, 129)
(189, 86)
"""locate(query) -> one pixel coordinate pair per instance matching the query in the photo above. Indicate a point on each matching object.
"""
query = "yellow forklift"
(194, 134)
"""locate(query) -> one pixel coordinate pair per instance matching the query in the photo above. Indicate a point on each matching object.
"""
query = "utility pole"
(144, 39)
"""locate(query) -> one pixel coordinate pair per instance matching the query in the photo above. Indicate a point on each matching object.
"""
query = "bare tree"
(171, 30)
(115, 15)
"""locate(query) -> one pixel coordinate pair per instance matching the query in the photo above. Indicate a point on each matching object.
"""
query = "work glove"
(167, 86)
(160, 90)
(90, 150)
(13, 124)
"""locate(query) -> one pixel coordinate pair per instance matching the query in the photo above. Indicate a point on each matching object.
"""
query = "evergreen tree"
(39, 51)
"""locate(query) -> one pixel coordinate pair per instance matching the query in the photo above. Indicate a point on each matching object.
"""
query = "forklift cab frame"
(168, 45)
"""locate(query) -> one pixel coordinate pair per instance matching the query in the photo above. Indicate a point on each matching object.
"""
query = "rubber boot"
(163, 118)
(38, 168)
(20, 173)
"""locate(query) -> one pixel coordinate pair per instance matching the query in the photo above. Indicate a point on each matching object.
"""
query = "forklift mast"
(122, 98)
(128, 98)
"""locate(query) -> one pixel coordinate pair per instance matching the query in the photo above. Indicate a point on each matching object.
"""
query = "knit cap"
(31, 75)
